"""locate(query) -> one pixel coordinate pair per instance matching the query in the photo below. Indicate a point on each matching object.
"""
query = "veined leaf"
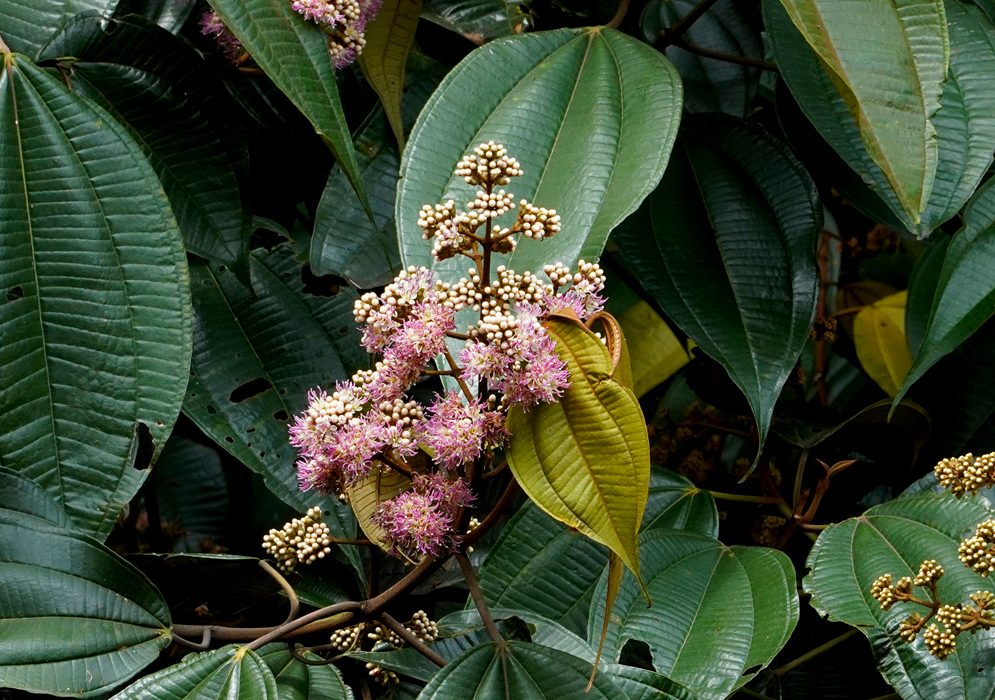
(590, 114)
(28, 24)
(171, 15)
(879, 337)
(18, 494)
(389, 38)
(922, 289)
(710, 85)
(298, 681)
(731, 258)
(294, 54)
(655, 353)
(228, 673)
(892, 107)
(75, 618)
(479, 20)
(519, 670)
(585, 459)
(379, 485)
(736, 608)
(96, 323)
(180, 114)
(895, 538)
(255, 359)
(965, 288)
(192, 492)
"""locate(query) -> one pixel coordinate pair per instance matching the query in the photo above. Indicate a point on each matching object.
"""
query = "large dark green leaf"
(922, 288)
(179, 113)
(171, 15)
(964, 128)
(294, 54)
(96, 309)
(735, 609)
(895, 538)
(75, 618)
(18, 494)
(590, 114)
(298, 681)
(965, 288)
(257, 356)
(192, 493)
(28, 24)
(479, 20)
(710, 85)
(520, 670)
(228, 673)
(726, 245)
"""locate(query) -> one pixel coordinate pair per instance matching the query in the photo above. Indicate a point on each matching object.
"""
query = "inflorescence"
(349, 639)
(505, 353)
(302, 540)
(961, 475)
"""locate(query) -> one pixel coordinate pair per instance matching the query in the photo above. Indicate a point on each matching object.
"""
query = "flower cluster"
(344, 21)
(978, 552)
(349, 639)
(212, 26)
(965, 474)
(302, 540)
(505, 353)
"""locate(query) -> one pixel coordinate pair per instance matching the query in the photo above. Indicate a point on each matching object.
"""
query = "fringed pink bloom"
(414, 523)
(455, 430)
(583, 303)
(423, 335)
(320, 11)
(211, 25)
(483, 360)
(449, 494)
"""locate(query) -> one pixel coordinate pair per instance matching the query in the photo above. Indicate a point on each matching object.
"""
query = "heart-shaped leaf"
(97, 315)
(294, 54)
(585, 459)
(895, 538)
(228, 673)
(731, 258)
(299, 681)
(75, 618)
(28, 24)
(590, 114)
(710, 85)
(879, 338)
(736, 608)
(180, 114)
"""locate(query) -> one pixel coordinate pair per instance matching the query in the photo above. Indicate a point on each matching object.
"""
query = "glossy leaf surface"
(28, 24)
(96, 325)
(298, 681)
(726, 246)
(479, 20)
(389, 38)
(591, 115)
(895, 538)
(879, 337)
(75, 618)
(585, 459)
(18, 494)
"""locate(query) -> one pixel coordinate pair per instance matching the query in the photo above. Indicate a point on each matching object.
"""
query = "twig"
(727, 57)
(409, 637)
(743, 497)
(495, 471)
(478, 599)
(395, 465)
(791, 665)
(799, 474)
(364, 688)
(295, 605)
(746, 435)
(205, 641)
(457, 374)
(293, 625)
(623, 7)
(306, 661)
(672, 34)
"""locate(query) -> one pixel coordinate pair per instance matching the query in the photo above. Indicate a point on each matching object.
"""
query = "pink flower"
(423, 335)
(414, 523)
(450, 494)
(455, 430)
(483, 360)
(211, 25)
(320, 11)
(583, 303)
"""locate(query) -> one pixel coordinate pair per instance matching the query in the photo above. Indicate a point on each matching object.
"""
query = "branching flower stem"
(411, 640)
(478, 599)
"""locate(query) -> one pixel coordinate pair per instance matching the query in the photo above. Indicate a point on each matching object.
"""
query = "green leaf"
(409, 662)
(97, 306)
(255, 359)
(228, 673)
(963, 125)
(479, 20)
(518, 670)
(192, 492)
(541, 565)
(28, 24)
(180, 114)
(294, 54)
(965, 289)
(922, 288)
(298, 681)
(710, 85)
(171, 15)
(378, 486)
(585, 459)
(75, 618)
(731, 258)
(389, 38)
(736, 608)
(892, 107)
(19, 494)
(590, 114)
(895, 538)
(640, 684)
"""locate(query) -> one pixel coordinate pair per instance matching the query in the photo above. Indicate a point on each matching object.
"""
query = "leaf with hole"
(75, 618)
(730, 256)
(590, 114)
(895, 538)
(97, 335)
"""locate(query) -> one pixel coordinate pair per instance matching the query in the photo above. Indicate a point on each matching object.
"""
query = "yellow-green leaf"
(655, 353)
(585, 460)
(879, 336)
(389, 38)
(380, 485)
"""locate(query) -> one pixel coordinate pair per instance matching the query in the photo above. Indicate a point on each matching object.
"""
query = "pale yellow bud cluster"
(326, 413)
(929, 573)
(420, 625)
(380, 674)
(591, 273)
(493, 205)
(978, 552)
(347, 638)
(909, 629)
(489, 164)
(429, 218)
(939, 643)
(538, 222)
(302, 540)
(883, 592)
(965, 474)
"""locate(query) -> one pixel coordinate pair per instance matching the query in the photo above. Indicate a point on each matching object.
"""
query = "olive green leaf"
(922, 288)
(389, 38)
(895, 538)
(585, 459)
(95, 310)
(228, 673)
(381, 484)
(294, 54)
(75, 618)
(591, 115)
